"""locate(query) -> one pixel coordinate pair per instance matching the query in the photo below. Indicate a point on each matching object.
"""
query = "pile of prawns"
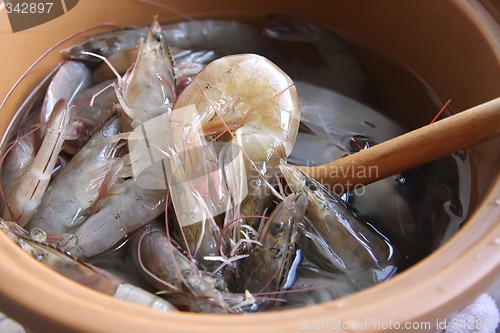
(181, 156)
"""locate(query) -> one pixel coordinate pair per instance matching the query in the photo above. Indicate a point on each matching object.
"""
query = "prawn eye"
(276, 228)
(41, 256)
(157, 36)
(276, 251)
(311, 184)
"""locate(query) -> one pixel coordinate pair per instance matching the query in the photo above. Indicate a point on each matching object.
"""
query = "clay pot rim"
(440, 284)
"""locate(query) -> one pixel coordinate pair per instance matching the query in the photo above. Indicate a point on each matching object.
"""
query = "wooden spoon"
(412, 149)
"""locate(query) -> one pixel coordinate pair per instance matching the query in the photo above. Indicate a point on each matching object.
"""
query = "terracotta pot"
(453, 45)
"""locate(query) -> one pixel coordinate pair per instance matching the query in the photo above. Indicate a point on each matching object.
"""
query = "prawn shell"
(261, 93)
(355, 246)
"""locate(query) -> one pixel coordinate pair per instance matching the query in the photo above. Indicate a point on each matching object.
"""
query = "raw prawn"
(19, 156)
(71, 77)
(148, 88)
(128, 208)
(353, 247)
(228, 37)
(188, 63)
(266, 268)
(334, 119)
(341, 126)
(342, 72)
(250, 96)
(27, 194)
(69, 199)
(86, 119)
(82, 273)
(159, 261)
(198, 190)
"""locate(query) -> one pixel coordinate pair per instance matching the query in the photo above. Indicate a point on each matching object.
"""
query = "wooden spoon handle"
(412, 149)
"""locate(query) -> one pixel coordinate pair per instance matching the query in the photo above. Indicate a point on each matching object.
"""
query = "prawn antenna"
(167, 8)
(445, 105)
(118, 76)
